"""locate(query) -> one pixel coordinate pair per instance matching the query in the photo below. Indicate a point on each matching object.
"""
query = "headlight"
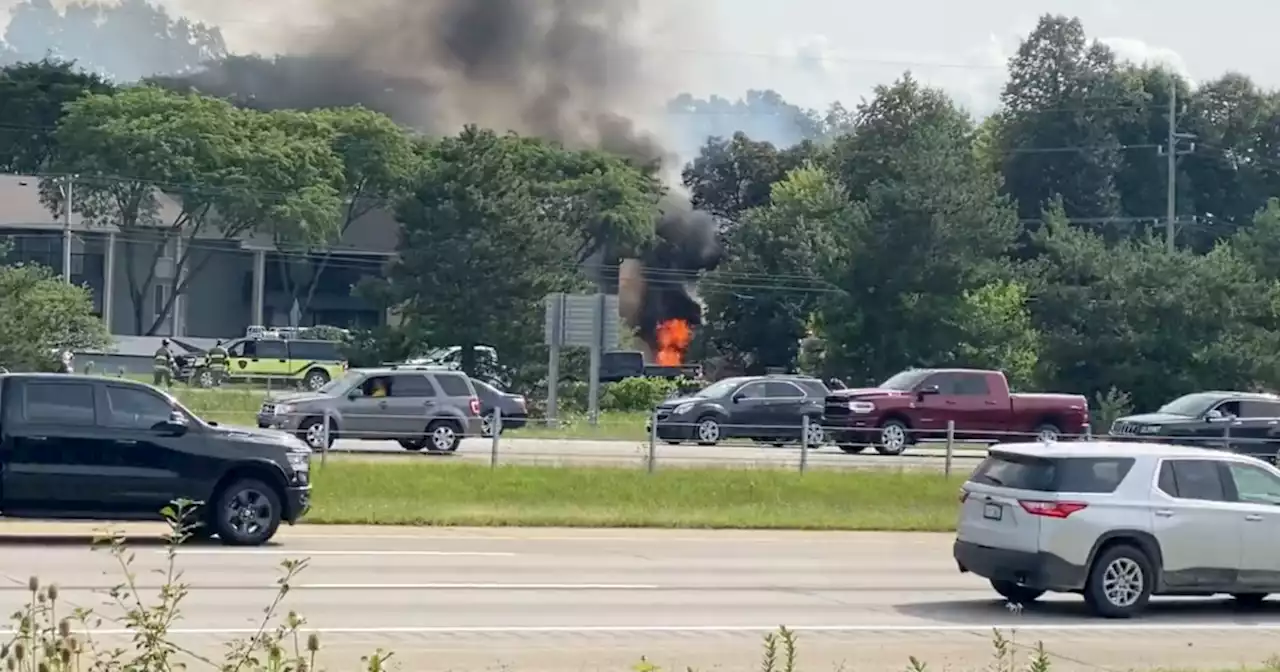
(299, 461)
(861, 406)
(685, 407)
(284, 409)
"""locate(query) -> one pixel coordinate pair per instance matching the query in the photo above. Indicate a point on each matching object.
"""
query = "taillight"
(964, 495)
(475, 406)
(1051, 509)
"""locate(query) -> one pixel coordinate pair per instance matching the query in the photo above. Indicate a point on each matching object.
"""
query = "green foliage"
(637, 394)
(34, 96)
(1106, 408)
(40, 314)
(995, 331)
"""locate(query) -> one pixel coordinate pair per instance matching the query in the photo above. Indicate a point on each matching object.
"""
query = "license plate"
(992, 511)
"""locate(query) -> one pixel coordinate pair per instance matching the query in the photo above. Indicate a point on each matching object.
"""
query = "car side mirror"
(355, 394)
(176, 425)
(737, 397)
(927, 391)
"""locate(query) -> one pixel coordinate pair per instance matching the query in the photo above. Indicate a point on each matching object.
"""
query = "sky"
(817, 51)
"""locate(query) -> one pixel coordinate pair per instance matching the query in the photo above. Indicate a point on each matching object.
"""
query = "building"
(230, 284)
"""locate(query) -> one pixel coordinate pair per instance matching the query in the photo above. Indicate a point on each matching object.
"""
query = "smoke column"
(575, 71)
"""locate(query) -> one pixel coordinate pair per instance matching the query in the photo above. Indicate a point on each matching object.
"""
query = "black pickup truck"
(1242, 422)
(623, 364)
(87, 447)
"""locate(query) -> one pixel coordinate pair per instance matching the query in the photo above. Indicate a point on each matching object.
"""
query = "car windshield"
(719, 389)
(339, 385)
(905, 381)
(1191, 405)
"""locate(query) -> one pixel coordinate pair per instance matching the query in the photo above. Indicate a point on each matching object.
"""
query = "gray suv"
(418, 407)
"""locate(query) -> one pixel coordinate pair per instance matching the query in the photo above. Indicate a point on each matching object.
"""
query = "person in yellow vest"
(218, 363)
(162, 365)
(379, 388)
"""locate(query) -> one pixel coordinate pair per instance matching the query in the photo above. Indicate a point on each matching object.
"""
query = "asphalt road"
(634, 453)
(463, 599)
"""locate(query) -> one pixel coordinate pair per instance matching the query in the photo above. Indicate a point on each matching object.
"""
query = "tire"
(412, 444)
(707, 431)
(1249, 600)
(316, 379)
(312, 433)
(1120, 582)
(816, 435)
(1047, 432)
(486, 425)
(204, 378)
(1015, 593)
(852, 449)
(443, 436)
(894, 438)
(247, 513)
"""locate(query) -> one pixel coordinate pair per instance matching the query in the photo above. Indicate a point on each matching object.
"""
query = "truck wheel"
(1047, 432)
(316, 379)
(852, 449)
(248, 513)
(894, 438)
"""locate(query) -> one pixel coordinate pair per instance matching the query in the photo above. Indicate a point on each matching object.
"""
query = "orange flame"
(673, 339)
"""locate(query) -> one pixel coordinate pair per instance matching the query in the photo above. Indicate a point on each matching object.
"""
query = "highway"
(534, 600)
(567, 452)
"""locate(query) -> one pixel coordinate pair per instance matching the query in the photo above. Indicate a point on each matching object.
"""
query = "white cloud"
(1138, 51)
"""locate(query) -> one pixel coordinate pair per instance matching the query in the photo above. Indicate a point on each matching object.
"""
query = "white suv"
(1119, 522)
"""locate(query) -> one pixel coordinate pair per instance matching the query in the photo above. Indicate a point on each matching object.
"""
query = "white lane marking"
(574, 629)
(351, 552)
(384, 586)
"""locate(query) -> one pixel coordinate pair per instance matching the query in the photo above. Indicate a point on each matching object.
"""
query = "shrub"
(637, 394)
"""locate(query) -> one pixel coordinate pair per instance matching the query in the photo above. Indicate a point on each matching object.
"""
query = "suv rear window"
(1059, 474)
(453, 385)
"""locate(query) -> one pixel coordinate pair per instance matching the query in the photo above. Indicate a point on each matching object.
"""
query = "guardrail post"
(951, 447)
(651, 459)
(1226, 435)
(324, 439)
(804, 444)
(496, 429)
(1088, 432)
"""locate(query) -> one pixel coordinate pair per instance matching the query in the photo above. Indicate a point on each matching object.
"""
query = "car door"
(934, 410)
(976, 414)
(1198, 528)
(410, 405)
(783, 409)
(54, 440)
(1213, 429)
(748, 411)
(1258, 431)
(272, 359)
(150, 467)
(362, 412)
(1257, 491)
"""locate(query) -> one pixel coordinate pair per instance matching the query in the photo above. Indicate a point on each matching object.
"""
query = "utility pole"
(1172, 153)
(66, 231)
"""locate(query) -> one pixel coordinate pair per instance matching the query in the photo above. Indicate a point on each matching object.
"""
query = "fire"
(673, 339)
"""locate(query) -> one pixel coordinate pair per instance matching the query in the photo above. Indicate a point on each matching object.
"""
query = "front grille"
(836, 407)
(1124, 429)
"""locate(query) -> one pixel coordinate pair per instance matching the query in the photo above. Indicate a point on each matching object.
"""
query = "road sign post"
(580, 321)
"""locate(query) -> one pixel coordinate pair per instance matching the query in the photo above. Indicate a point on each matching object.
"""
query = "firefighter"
(218, 363)
(162, 365)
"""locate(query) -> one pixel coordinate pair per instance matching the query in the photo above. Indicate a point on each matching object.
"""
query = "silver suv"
(419, 407)
(1120, 522)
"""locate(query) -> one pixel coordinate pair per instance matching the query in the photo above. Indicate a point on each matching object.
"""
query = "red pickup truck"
(916, 405)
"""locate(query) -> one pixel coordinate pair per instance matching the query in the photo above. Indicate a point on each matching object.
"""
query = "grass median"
(430, 493)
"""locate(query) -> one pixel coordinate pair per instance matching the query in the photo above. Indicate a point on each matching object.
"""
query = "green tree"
(164, 167)
(483, 243)
(1134, 317)
(41, 314)
(733, 175)
(1058, 135)
(995, 331)
(32, 99)
(934, 226)
(759, 301)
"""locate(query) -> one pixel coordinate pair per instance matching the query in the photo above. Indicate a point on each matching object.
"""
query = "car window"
(1254, 484)
(971, 384)
(777, 389)
(453, 386)
(272, 350)
(1260, 409)
(245, 349)
(754, 390)
(62, 403)
(485, 390)
(946, 383)
(315, 351)
(1193, 479)
(412, 385)
(1070, 474)
(136, 409)
(376, 386)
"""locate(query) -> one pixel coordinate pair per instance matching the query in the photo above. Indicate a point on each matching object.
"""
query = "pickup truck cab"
(917, 404)
(87, 447)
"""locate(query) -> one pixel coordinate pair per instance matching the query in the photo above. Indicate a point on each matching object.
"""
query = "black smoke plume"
(567, 70)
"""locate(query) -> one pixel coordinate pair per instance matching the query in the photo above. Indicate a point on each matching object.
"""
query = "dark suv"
(770, 409)
(111, 449)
